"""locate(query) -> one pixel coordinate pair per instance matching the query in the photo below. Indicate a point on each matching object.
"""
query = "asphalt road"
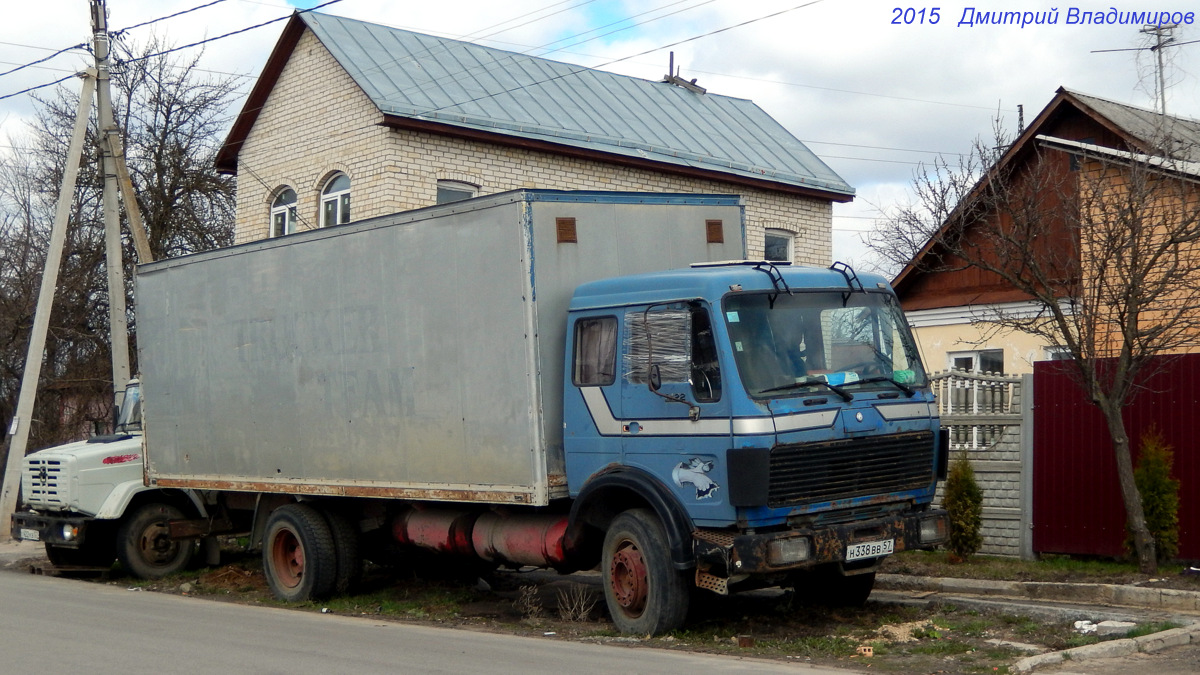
(52, 625)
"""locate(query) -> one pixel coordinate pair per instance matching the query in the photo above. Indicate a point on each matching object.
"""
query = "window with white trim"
(779, 245)
(335, 201)
(283, 213)
(1056, 353)
(978, 361)
(455, 191)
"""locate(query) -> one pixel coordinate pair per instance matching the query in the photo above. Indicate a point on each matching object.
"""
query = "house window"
(981, 361)
(283, 213)
(595, 351)
(1056, 354)
(779, 245)
(455, 191)
(335, 201)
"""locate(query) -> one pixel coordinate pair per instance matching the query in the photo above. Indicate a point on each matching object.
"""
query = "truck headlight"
(787, 551)
(69, 531)
(933, 530)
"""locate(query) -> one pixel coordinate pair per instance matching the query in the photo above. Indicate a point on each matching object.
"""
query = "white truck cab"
(88, 504)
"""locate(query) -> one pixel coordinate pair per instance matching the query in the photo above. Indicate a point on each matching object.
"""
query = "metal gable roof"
(1147, 126)
(423, 77)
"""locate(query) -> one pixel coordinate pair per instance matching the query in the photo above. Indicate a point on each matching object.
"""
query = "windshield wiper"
(908, 391)
(846, 396)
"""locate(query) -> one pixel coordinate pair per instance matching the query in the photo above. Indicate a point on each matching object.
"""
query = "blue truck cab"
(772, 421)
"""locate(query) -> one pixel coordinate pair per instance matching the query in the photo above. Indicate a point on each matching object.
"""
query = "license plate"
(30, 535)
(870, 549)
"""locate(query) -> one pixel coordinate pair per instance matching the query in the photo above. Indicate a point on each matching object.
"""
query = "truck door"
(675, 415)
(592, 396)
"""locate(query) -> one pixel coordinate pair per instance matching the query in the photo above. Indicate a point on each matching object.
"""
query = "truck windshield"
(130, 418)
(789, 345)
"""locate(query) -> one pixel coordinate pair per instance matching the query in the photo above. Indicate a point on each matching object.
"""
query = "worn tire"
(348, 560)
(143, 546)
(645, 594)
(299, 558)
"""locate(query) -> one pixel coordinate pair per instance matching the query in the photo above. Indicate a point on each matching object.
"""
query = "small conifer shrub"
(964, 503)
(1160, 494)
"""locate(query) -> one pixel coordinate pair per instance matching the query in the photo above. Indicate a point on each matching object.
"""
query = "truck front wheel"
(645, 594)
(299, 558)
(144, 547)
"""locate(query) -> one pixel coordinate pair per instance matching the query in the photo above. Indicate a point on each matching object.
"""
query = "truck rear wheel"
(348, 559)
(144, 547)
(645, 594)
(299, 557)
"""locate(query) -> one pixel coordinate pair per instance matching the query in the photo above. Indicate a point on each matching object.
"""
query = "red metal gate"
(1077, 504)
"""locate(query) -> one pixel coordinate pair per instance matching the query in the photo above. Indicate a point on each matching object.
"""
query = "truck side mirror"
(655, 379)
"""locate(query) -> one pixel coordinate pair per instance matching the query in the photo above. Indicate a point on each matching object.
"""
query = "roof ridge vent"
(672, 77)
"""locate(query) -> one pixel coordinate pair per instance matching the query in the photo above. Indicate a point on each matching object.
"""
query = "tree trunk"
(1143, 542)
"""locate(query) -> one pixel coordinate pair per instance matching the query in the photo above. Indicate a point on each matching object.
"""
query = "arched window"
(455, 191)
(283, 213)
(335, 201)
(779, 246)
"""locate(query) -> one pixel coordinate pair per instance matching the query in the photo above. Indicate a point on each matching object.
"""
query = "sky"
(873, 88)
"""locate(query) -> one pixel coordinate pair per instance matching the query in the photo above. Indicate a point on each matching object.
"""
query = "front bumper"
(726, 554)
(65, 531)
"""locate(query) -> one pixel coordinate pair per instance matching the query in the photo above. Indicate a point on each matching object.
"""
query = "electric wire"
(164, 18)
(231, 33)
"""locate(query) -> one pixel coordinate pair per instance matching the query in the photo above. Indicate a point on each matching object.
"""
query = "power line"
(164, 18)
(231, 33)
(882, 147)
(175, 49)
(43, 60)
(40, 86)
(583, 69)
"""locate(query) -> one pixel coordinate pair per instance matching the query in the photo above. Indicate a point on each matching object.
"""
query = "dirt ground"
(770, 623)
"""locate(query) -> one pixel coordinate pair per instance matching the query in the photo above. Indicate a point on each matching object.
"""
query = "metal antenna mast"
(1164, 35)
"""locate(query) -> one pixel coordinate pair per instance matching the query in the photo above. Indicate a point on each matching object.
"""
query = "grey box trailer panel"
(417, 355)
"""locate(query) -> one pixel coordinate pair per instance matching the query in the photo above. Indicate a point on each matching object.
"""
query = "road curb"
(1149, 644)
(1101, 594)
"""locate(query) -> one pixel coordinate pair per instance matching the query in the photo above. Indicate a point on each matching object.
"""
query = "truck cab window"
(706, 371)
(595, 351)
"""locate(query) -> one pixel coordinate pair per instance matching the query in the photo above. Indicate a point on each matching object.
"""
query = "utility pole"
(95, 83)
(118, 322)
(18, 430)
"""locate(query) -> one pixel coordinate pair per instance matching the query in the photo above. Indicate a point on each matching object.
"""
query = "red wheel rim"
(287, 557)
(627, 574)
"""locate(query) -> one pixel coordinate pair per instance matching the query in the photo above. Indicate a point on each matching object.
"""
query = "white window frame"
(1056, 353)
(975, 356)
(336, 201)
(457, 187)
(285, 210)
(786, 235)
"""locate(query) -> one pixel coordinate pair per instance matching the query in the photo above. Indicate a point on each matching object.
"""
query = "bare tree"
(1105, 242)
(172, 121)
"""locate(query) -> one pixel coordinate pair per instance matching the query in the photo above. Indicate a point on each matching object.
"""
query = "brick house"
(1078, 138)
(347, 112)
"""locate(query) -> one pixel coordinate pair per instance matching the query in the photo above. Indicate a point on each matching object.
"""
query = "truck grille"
(806, 473)
(45, 485)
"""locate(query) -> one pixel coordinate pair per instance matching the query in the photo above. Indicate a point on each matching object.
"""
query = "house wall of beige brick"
(317, 121)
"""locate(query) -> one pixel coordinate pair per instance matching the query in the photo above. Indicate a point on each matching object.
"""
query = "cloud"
(872, 96)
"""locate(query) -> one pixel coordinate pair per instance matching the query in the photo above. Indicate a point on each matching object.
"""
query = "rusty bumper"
(724, 553)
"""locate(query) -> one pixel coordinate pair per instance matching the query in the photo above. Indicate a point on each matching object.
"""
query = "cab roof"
(712, 281)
